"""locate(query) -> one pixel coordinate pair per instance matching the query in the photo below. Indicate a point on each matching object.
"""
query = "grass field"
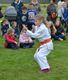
(20, 64)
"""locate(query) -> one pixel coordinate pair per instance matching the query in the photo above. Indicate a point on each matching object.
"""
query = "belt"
(45, 41)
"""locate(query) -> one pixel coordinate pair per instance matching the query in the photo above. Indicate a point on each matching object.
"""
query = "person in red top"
(10, 41)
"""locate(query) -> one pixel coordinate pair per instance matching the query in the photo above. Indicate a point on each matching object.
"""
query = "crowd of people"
(27, 25)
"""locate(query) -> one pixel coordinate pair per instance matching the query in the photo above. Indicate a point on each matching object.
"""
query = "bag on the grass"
(10, 13)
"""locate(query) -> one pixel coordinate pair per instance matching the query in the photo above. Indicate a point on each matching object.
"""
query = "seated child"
(24, 40)
(60, 33)
(4, 26)
(10, 41)
(15, 27)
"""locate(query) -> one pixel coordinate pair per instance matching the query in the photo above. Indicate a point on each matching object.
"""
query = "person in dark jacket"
(18, 5)
(60, 33)
(23, 17)
(52, 11)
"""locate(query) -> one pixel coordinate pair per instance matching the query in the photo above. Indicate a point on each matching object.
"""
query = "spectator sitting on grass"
(24, 40)
(10, 41)
(60, 33)
(15, 27)
(4, 26)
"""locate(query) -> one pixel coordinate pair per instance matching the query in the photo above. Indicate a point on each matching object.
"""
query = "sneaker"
(45, 70)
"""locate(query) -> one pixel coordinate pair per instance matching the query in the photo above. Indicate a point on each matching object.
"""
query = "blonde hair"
(65, 5)
(52, 27)
(10, 30)
(40, 18)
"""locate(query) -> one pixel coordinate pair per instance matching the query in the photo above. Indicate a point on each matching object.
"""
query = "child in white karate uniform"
(46, 45)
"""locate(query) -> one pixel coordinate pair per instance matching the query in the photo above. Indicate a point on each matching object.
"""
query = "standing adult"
(36, 5)
(18, 5)
(60, 6)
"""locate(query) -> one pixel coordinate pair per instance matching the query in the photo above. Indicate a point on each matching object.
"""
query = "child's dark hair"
(54, 0)
(24, 8)
(62, 0)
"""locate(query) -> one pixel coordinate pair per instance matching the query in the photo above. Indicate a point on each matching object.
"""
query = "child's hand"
(63, 34)
(24, 27)
(15, 42)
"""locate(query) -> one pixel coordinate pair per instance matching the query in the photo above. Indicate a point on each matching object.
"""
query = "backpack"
(10, 13)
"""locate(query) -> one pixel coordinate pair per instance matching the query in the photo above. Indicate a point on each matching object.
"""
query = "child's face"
(14, 24)
(57, 23)
(34, 0)
(31, 6)
(24, 11)
(17, 0)
(65, 5)
(48, 24)
(23, 31)
(37, 22)
(6, 22)
(12, 34)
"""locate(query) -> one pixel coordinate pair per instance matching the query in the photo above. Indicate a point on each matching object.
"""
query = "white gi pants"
(41, 55)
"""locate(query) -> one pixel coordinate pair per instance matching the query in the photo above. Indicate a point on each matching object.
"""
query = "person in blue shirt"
(65, 16)
(31, 16)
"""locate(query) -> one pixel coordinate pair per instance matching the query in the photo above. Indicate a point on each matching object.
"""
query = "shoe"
(45, 70)
(60, 39)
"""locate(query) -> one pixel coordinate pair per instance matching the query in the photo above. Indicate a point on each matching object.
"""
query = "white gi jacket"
(42, 33)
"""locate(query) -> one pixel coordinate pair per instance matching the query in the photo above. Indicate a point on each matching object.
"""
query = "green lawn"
(20, 64)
